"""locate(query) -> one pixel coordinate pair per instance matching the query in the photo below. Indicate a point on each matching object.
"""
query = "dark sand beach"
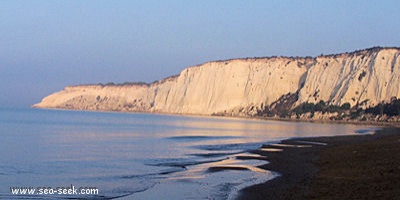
(343, 167)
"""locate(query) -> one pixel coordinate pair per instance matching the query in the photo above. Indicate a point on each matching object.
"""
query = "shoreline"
(363, 166)
(355, 122)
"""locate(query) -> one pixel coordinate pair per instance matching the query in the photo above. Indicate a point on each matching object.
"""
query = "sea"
(137, 155)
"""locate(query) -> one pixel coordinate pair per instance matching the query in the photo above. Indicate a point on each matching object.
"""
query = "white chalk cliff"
(246, 86)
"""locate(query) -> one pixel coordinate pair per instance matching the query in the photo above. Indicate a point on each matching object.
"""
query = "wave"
(229, 147)
(213, 155)
(152, 175)
(367, 131)
(201, 137)
(182, 163)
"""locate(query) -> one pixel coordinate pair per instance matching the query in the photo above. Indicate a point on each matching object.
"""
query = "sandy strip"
(348, 167)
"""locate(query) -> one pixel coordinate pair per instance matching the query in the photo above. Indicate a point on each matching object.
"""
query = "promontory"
(273, 86)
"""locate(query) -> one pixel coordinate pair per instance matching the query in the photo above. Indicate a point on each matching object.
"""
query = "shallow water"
(139, 156)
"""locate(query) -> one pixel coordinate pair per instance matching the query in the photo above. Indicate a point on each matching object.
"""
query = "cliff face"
(246, 86)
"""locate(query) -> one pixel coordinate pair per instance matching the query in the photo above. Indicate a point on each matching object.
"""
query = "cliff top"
(366, 51)
(356, 52)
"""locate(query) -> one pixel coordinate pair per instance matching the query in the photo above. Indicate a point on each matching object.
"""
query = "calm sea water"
(138, 156)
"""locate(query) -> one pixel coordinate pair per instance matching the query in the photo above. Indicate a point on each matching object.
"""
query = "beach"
(365, 166)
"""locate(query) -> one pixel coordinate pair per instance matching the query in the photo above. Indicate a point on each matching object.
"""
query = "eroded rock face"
(368, 77)
(246, 86)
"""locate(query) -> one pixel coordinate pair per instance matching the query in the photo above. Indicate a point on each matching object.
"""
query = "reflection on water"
(138, 154)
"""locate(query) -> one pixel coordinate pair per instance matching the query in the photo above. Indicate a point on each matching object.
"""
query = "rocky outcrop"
(249, 86)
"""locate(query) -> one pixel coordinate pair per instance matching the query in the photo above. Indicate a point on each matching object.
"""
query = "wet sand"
(342, 167)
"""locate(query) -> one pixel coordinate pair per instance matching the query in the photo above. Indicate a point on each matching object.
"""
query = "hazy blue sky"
(46, 45)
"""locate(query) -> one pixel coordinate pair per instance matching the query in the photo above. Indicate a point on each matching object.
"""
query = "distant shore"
(356, 122)
(341, 167)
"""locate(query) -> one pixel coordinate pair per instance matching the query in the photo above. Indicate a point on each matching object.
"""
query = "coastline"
(355, 122)
(341, 167)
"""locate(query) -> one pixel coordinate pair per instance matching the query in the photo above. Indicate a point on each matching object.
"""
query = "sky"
(47, 45)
